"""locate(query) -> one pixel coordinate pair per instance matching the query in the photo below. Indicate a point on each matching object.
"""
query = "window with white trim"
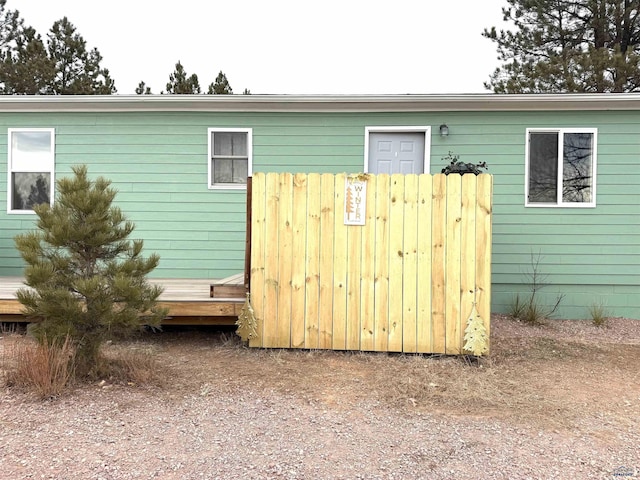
(31, 168)
(229, 157)
(561, 167)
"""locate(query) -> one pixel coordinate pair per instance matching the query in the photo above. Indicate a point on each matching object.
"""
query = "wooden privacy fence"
(405, 281)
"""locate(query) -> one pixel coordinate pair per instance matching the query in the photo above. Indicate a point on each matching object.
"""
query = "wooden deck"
(189, 301)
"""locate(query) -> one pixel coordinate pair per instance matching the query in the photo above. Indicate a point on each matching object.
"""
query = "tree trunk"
(87, 355)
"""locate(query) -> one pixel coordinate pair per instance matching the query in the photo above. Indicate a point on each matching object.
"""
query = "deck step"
(227, 291)
(229, 287)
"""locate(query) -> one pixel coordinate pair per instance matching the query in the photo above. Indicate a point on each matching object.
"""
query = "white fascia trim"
(426, 165)
(320, 103)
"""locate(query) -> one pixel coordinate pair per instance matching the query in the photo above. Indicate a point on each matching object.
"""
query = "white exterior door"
(396, 152)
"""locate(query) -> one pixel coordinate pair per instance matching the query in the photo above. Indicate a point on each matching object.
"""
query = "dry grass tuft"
(131, 364)
(536, 380)
(599, 314)
(47, 370)
(453, 386)
(543, 376)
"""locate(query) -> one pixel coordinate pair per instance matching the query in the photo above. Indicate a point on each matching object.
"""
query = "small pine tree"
(180, 84)
(221, 86)
(142, 89)
(87, 280)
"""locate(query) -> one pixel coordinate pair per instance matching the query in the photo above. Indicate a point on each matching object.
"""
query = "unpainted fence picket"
(405, 281)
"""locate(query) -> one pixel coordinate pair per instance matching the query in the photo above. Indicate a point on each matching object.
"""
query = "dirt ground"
(555, 401)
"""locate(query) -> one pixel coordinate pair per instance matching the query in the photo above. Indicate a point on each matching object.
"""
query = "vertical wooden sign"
(355, 200)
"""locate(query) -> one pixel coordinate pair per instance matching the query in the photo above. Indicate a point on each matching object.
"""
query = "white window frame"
(426, 130)
(229, 186)
(559, 202)
(47, 166)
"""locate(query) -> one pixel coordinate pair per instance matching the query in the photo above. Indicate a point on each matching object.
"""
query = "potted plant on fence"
(458, 166)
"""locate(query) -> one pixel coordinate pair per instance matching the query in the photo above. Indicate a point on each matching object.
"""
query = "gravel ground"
(217, 425)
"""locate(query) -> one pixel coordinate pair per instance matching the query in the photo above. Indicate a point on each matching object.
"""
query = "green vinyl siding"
(158, 162)
(591, 255)
(583, 253)
(618, 300)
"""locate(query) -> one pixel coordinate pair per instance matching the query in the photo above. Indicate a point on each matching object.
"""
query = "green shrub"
(87, 279)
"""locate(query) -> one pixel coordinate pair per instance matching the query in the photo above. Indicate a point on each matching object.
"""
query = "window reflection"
(30, 189)
(577, 167)
(560, 162)
(543, 167)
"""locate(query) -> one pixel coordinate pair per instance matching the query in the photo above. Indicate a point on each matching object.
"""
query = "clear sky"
(287, 46)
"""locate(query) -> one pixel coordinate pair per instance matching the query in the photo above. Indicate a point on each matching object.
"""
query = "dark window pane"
(240, 171)
(222, 170)
(30, 189)
(543, 167)
(577, 167)
(228, 170)
(230, 144)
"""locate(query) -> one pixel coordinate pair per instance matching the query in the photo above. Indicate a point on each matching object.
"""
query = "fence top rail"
(363, 176)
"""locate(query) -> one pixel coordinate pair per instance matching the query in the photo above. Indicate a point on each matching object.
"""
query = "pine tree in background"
(10, 24)
(220, 86)
(78, 70)
(179, 83)
(558, 46)
(63, 66)
(87, 279)
(25, 67)
(142, 89)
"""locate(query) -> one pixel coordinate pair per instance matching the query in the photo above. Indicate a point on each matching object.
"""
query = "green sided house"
(565, 171)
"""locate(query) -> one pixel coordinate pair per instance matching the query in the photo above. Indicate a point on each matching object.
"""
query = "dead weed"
(132, 364)
(532, 376)
(45, 369)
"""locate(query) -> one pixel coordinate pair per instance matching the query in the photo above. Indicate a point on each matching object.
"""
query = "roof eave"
(319, 103)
